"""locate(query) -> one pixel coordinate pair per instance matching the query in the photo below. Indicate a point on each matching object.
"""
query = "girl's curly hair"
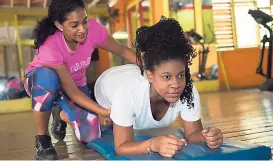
(162, 42)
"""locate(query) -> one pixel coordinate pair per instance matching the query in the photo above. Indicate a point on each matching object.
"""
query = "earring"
(62, 30)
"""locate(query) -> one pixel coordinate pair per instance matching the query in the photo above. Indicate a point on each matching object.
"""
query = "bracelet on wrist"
(149, 150)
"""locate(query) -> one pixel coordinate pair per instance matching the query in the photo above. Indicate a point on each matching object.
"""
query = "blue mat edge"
(228, 156)
(231, 156)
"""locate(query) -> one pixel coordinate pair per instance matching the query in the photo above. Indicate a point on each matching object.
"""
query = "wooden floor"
(241, 115)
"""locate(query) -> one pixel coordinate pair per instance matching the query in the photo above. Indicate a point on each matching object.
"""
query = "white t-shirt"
(127, 92)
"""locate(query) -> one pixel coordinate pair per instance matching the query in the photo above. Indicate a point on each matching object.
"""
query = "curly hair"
(57, 12)
(162, 42)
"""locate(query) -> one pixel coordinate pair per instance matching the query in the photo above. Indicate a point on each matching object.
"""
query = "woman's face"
(168, 79)
(75, 26)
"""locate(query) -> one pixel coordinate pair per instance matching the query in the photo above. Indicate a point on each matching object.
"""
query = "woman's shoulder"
(95, 26)
(52, 41)
(97, 33)
(92, 21)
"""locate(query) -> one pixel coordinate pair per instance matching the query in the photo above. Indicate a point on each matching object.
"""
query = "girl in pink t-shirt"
(64, 41)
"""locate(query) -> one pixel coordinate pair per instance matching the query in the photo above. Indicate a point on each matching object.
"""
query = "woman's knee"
(48, 77)
(44, 89)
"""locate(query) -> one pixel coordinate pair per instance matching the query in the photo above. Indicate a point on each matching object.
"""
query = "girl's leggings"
(43, 85)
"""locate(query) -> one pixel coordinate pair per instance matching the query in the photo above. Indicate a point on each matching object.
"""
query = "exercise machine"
(203, 54)
(263, 19)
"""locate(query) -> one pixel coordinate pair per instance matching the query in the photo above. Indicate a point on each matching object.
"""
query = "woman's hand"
(105, 112)
(213, 136)
(168, 145)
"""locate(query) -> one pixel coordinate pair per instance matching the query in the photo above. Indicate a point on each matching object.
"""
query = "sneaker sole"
(37, 157)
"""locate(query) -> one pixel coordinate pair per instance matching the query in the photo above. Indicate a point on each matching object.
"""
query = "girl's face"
(75, 26)
(168, 79)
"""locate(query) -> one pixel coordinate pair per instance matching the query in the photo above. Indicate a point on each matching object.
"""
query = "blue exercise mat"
(230, 150)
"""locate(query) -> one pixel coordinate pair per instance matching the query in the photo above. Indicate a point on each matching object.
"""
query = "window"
(246, 27)
(222, 22)
(263, 3)
(234, 27)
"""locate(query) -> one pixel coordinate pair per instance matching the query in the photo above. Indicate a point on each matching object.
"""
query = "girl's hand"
(213, 136)
(168, 145)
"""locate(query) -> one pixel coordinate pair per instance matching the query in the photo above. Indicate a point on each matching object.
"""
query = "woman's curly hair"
(162, 42)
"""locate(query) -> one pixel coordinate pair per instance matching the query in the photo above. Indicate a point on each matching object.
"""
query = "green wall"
(208, 21)
(185, 18)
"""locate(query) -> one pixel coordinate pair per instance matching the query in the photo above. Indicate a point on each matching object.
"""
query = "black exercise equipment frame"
(259, 69)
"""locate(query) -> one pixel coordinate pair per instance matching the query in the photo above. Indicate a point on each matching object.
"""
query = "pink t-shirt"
(55, 51)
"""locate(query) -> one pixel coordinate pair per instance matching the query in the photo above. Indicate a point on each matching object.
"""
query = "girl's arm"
(125, 145)
(195, 133)
(115, 47)
(124, 141)
(193, 129)
(70, 88)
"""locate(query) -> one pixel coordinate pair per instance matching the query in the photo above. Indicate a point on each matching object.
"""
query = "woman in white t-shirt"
(154, 93)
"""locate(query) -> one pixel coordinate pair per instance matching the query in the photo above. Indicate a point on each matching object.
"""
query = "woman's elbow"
(119, 151)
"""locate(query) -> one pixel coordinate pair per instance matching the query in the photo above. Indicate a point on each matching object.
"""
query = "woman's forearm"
(73, 92)
(81, 99)
(128, 54)
(132, 147)
(196, 137)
